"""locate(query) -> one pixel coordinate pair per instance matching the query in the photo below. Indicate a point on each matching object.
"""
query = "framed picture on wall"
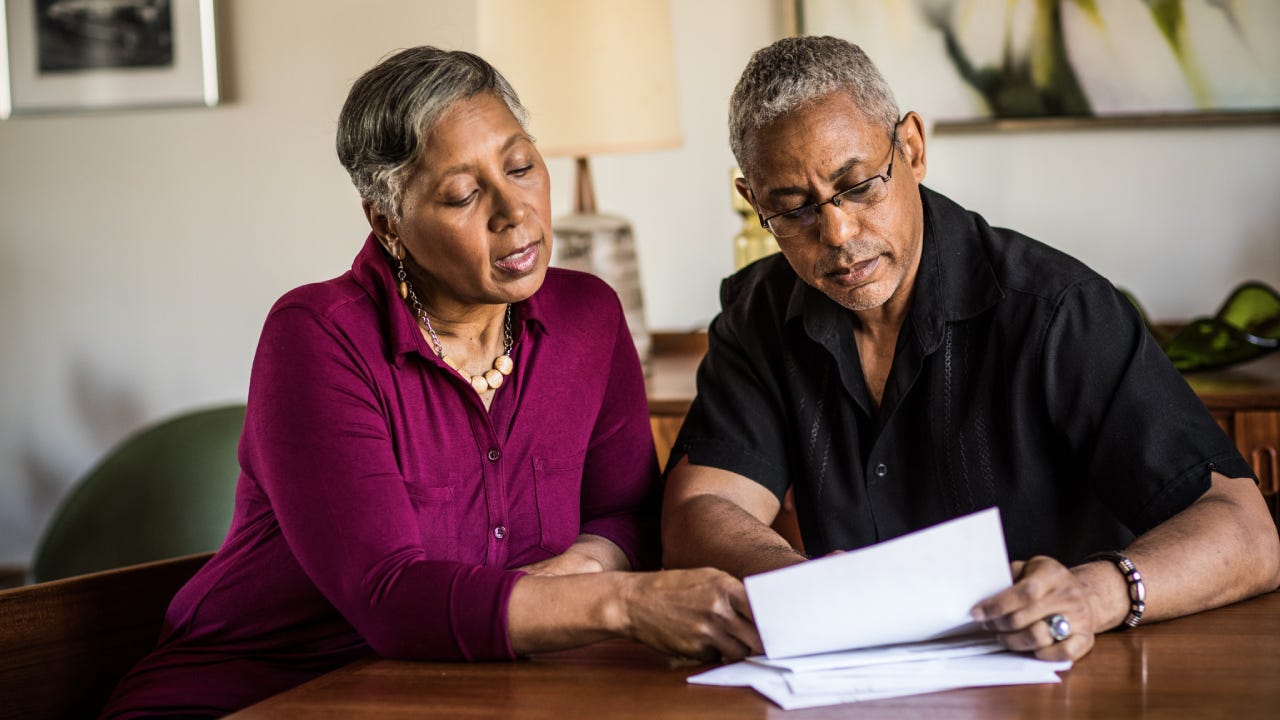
(59, 55)
(991, 62)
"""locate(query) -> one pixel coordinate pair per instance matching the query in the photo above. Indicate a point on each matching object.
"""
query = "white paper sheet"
(787, 700)
(801, 690)
(1003, 668)
(792, 690)
(908, 652)
(739, 674)
(916, 587)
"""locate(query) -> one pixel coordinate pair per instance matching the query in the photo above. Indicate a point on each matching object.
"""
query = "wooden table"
(1220, 664)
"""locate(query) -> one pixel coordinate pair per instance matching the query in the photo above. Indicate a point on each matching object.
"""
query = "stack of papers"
(892, 671)
(885, 621)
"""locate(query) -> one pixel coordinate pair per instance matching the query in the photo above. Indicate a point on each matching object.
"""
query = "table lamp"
(598, 78)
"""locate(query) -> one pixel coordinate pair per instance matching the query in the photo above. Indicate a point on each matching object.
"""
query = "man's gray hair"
(797, 70)
(390, 110)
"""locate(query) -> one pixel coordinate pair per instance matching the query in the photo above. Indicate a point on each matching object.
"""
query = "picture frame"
(77, 55)
(1028, 64)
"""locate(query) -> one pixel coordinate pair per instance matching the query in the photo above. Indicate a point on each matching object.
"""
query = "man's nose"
(836, 225)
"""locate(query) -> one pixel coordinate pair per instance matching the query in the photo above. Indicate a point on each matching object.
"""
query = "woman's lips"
(520, 261)
(855, 273)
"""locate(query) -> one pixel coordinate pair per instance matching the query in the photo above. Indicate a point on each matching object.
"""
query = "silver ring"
(1059, 627)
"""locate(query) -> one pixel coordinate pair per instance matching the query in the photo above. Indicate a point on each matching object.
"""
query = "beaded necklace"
(502, 365)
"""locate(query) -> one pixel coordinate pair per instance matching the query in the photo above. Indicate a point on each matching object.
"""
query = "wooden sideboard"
(1245, 400)
(671, 384)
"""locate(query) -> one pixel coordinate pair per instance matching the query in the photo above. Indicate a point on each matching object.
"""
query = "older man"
(902, 363)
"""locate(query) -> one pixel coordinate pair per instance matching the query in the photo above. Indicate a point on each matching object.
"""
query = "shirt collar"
(955, 280)
(372, 272)
(820, 315)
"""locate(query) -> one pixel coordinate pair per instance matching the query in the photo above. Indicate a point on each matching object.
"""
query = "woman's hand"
(701, 613)
(588, 554)
(1043, 588)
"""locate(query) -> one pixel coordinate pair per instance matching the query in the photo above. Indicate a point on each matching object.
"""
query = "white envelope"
(919, 586)
(791, 690)
(964, 646)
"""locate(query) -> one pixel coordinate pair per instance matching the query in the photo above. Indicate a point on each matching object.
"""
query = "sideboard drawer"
(1257, 436)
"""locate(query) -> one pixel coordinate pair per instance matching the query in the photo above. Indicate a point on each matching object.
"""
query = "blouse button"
(500, 531)
(881, 470)
(494, 454)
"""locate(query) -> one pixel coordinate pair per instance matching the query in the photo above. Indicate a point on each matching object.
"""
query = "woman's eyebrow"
(468, 166)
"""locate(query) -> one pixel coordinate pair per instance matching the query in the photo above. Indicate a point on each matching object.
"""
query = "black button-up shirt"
(1021, 379)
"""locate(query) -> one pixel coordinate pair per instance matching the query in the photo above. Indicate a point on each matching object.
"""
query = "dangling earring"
(402, 280)
(396, 251)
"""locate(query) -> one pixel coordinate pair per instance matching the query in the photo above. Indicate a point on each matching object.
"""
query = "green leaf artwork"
(976, 59)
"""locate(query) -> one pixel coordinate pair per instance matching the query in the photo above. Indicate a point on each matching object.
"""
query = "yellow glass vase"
(752, 241)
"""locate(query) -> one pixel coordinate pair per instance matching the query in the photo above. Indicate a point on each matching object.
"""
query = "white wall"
(140, 251)
(1178, 216)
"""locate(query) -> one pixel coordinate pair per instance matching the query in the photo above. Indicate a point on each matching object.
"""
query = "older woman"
(447, 452)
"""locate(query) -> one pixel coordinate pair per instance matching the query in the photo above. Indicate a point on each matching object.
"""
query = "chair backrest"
(65, 644)
(166, 491)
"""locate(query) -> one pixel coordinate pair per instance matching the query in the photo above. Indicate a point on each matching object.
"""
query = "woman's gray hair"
(797, 70)
(390, 110)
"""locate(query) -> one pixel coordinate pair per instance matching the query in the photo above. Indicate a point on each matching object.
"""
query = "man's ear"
(911, 134)
(740, 184)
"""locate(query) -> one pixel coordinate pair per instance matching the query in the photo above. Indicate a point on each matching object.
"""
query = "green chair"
(166, 491)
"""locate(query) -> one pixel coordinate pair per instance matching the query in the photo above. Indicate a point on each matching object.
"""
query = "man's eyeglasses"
(860, 196)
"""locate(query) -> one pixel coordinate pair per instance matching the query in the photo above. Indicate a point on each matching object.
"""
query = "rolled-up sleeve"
(1143, 438)
(317, 441)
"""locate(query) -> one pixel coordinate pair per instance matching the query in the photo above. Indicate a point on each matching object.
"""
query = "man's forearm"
(1221, 549)
(708, 530)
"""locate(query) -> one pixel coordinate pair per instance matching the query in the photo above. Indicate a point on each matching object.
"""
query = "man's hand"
(1042, 588)
(588, 554)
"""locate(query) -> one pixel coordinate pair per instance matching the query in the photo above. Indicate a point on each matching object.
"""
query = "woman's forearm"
(556, 612)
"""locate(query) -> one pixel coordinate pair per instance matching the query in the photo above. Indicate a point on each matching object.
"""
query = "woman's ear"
(384, 228)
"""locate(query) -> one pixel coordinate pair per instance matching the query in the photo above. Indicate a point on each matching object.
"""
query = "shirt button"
(881, 470)
(494, 454)
(500, 531)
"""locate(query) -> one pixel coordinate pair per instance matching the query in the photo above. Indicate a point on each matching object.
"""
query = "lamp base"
(604, 246)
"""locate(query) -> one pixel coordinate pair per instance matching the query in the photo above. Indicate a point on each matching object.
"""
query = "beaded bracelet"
(1137, 589)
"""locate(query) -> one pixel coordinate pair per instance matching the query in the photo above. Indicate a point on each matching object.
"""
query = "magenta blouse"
(380, 507)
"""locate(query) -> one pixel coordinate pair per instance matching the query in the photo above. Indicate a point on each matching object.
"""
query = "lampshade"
(598, 76)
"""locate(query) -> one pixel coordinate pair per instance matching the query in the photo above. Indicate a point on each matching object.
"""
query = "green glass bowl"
(1245, 328)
